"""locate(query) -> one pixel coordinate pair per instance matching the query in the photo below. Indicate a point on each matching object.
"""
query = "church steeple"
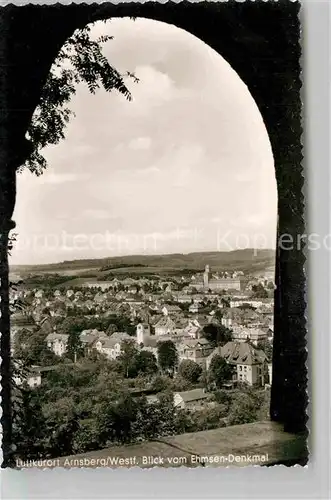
(206, 277)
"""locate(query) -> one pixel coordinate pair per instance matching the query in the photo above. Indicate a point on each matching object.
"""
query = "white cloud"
(190, 149)
(147, 171)
(92, 213)
(182, 176)
(154, 88)
(49, 177)
(140, 143)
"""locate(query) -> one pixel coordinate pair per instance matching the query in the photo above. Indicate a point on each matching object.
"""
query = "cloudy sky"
(186, 166)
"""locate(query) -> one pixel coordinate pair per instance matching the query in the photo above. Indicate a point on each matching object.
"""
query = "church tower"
(140, 334)
(206, 277)
(142, 331)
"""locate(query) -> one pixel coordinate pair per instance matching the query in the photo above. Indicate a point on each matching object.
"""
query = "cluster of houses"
(163, 310)
(251, 364)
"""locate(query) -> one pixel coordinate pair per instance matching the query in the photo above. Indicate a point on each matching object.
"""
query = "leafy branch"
(80, 60)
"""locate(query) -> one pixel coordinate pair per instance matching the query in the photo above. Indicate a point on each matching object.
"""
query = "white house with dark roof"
(194, 308)
(254, 335)
(171, 310)
(39, 294)
(111, 346)
(34, 374)
(251, 364)
(196, 350)
(191, 400)
(201, 320)
(192, 331)
(165, 326)
(256, 303)
(183, 298)
(57, 342)
(88, 338)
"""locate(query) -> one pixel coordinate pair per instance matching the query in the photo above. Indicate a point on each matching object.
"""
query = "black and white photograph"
(152, 236)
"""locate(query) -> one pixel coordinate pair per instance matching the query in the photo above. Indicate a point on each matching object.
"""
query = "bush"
(190, 371)
(222, 397)
(208, 418)
(243, 410)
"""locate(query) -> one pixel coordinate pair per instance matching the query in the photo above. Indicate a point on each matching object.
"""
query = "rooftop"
(243, 353)
(193, 395)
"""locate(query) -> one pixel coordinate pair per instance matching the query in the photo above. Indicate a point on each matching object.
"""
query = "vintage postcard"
(152, 236)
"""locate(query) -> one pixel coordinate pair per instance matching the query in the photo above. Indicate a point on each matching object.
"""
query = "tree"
(61, 421)
(167, 356)
(74, 346)
(145, 362)
(217, 334)
(29, 429)
(222, 397)
(115, 420)
(86, 437)
(190, 370)
(80, 60)
(225, 302)
(218, 315)
(246, 306)
(243, 410)
(111, 329)
(31, 348)
(127, 358)
(160, 383)
(219, 371)
(266, 347)
(209, 418)
(259, 292)
(73, 325)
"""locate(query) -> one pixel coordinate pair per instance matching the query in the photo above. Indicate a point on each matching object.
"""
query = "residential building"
(35, 374)
(191, 400)
(111, 346)
(171, 310)
(57, 342)
(196, 350)
(254, 335)
(201, 320)
(256, 303)
(250, 364)
(164, 326)
(194, 308)
(88, 338)
(192, 331)
(183, 299)
(32, 378)
(103, 285)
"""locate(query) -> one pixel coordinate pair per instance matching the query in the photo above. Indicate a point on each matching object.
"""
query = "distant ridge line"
(176, 260)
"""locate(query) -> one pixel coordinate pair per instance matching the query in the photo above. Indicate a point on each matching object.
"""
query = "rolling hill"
(248, 260)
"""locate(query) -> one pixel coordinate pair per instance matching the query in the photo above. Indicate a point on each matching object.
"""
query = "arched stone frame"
(261, 42)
